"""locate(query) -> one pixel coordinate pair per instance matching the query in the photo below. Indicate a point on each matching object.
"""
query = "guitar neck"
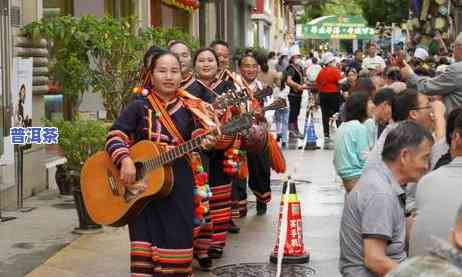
(241, 123)
(175, 153)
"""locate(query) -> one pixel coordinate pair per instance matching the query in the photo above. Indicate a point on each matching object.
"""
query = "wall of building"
(89, 7)
(208, 17)
(278, 27)
(270, 23)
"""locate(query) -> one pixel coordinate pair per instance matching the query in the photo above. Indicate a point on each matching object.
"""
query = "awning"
(188, 5)
(337, 27)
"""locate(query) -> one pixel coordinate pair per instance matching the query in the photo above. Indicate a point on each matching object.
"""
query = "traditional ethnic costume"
(220, 182)
(162, 234)
(258, 162)
(187, 81)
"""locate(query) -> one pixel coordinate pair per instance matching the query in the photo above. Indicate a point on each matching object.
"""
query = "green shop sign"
(337, 27)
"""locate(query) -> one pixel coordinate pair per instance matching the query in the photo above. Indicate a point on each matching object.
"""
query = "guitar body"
(105, 197)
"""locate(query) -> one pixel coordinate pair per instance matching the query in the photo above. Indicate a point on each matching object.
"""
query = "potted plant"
(78, 140)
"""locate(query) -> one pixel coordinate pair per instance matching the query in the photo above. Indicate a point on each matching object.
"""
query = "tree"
(312, 11)
(68, 47)
(386, 11)
(342, 8)
(100, 54)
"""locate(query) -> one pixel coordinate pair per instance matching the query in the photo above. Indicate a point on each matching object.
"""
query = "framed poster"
(21, 93)
(21, 100)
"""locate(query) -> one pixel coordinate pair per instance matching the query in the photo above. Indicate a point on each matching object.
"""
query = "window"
(57, 8)
(119, 8)
(54, 106)
(266, 32)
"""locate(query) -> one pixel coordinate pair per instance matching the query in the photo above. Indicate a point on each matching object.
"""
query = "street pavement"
(34, 242)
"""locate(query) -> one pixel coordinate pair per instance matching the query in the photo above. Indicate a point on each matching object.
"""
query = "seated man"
(383, 102)
(443, 260)
(439, 194)
(373, 226)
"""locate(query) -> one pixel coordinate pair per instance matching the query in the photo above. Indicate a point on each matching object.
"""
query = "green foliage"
(341, 8)
(331, 7)
(385, 11)
(101, 53)
(79, 139)
(373, 11)
(68, 53)
(312, 11)
(161, 37)
(116, 52)
(256, 51)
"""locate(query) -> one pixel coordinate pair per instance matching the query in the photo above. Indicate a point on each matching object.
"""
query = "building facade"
(269, 18)
(228, 20)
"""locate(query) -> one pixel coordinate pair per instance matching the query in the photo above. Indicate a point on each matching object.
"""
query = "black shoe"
(312, 147)
(233, 228)
(261, 208)
(205, 263)
(215, 253)
(295, 134)
(278, 138)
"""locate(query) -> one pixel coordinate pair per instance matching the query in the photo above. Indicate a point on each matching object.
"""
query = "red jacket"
(327, 80)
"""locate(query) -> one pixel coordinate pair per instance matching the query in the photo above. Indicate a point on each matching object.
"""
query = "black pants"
(294, 109)
(330, 104)
(239, 198)
(260, 175)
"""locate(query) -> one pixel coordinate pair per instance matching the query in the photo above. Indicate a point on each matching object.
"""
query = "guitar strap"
(243, 84)
(199, 109)
(166, 120)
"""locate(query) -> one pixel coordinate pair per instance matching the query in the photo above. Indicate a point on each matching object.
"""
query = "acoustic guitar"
(107, 200)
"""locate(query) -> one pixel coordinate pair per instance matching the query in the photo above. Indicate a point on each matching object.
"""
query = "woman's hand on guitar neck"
(209, 142)
(128, 172)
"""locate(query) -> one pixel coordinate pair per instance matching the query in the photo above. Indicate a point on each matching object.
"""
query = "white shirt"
(312, 72)
(376, 61)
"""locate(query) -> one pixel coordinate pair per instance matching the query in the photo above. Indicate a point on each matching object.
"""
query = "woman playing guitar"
(207, 87)
(258, 161)
(161, 234)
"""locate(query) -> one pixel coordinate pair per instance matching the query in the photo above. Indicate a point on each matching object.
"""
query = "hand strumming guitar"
(209, 142)
(128, 174)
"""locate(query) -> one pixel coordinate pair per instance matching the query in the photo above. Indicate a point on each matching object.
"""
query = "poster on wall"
(21, 100)
(21, 95)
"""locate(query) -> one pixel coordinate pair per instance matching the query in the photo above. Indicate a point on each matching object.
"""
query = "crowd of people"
(397, 149)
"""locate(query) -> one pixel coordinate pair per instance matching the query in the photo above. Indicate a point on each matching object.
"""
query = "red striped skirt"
(148, 260)
(220, 212)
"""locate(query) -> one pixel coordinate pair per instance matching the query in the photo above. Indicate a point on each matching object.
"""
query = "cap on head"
(294, 50)
(421, 53)
(327, 58)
